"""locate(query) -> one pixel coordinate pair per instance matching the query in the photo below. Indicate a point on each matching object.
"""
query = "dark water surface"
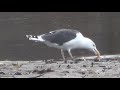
(102, 27)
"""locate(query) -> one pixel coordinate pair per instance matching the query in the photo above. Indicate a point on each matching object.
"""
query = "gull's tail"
(35, 38)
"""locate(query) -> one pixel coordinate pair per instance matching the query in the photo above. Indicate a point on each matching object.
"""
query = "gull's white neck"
(83, 42)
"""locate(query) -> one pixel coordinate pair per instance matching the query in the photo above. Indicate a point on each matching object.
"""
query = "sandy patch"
(105, 68)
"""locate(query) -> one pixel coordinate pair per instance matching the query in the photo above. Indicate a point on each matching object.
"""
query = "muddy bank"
(107, 67)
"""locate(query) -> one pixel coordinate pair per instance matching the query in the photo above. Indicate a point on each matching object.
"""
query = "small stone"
(2, 73)
(84, 65)
(71, 62)
(42, 71)
(65, 72)
(92, 64)
(82, 72)
(102, 66)
(68, 66)
(59, 66)
(18, 73)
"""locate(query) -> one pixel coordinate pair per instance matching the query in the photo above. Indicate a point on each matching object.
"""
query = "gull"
(66, 39)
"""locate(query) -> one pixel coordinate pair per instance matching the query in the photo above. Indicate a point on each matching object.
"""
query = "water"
(101, 27)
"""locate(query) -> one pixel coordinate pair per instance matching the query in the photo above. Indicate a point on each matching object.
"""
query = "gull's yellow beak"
(97, 53)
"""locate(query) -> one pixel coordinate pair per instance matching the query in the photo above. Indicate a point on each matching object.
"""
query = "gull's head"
(90, 45)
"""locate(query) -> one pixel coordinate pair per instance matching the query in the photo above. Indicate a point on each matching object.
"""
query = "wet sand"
(107, 67)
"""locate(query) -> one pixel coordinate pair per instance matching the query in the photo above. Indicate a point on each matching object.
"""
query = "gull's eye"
(94, 45)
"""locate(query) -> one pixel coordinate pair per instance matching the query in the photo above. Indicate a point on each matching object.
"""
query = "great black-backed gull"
(65, 39)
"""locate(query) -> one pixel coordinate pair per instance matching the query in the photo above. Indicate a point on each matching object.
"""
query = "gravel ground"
(105, 68)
